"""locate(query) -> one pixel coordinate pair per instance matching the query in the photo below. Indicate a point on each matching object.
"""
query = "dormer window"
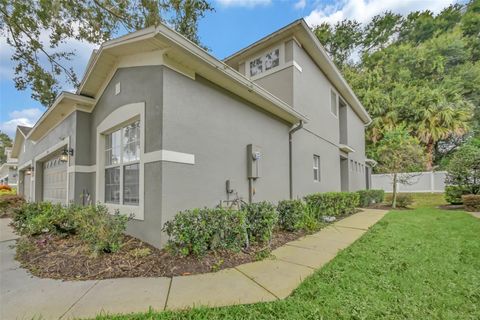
(265, 62)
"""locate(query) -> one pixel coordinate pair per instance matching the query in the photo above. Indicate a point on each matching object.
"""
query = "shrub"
(9, 203)
(294, 215)
(261, 218)
(99, 229)
(453, 194)
(404, 200)
(332, 203)
(5, 187)
(197, 231)
(369, 197)
(471, 202)
(102, 231)
(8, 192)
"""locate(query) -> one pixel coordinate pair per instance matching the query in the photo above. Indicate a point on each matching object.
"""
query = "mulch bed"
(452, 207)
(66, 258)
(384, 206)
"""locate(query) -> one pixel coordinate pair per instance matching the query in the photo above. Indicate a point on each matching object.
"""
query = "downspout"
(290, 155)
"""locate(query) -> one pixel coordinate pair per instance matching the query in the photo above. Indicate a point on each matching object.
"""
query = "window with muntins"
(316, 168)
(122, 165)
(265, 62)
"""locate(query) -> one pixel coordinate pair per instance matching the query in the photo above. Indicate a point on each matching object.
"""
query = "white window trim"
(316, 167)
(281, 63)
(118, 118)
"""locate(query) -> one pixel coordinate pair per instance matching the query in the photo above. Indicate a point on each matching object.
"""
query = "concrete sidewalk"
(23, 296)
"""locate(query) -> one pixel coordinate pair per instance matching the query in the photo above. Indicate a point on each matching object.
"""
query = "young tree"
(36, 29)
(399, 153)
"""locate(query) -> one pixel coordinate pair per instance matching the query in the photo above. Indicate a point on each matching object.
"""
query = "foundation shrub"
(332, 203)
(5, 187)
(453, 194)
(369, 197)
(471, 202)
(261, 219)
(294, 215)
(197, 231)
(100, 230)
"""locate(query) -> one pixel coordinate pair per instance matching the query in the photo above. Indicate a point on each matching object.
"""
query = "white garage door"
(55, 180)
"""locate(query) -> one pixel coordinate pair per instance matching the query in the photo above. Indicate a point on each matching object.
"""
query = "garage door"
(55, 180)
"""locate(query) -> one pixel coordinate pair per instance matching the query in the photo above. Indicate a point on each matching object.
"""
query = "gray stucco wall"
(137, 84)
(356, 140)
(215, 126)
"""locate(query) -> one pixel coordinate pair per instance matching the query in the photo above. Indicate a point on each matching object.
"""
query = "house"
(8, 170)
(159, 125)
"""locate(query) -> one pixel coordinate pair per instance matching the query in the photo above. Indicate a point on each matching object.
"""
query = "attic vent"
(117, 88)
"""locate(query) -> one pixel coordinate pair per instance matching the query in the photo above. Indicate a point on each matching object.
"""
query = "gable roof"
(20, 134)
(310, 43)
(178, 50)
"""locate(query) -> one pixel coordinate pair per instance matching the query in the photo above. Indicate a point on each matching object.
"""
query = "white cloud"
(243, 3)
(364, 10)
(25, 117)
(300, 4)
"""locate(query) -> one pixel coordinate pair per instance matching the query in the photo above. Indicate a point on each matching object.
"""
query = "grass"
(417, 264)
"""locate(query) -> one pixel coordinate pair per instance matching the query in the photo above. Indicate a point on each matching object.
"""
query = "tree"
(463, 170)
(399, 153)
(5, 142)
(36, 29)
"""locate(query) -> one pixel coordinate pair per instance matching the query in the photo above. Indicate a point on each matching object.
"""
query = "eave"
(300, 31)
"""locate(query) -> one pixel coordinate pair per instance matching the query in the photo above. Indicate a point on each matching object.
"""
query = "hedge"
(333, 203)
(369, 197)
(453, 194)
(261, 218)
(197, 231)
(471, 202)
(404, 200)
(294, 215)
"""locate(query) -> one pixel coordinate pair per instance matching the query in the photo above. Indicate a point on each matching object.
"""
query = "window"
(122, 165)
(316, 168)
(333, 103)
(265, 62)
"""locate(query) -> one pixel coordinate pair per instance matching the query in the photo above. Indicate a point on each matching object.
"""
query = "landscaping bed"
(88, 243)
(67, 258)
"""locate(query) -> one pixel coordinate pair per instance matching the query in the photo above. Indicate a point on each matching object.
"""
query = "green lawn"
(417, 264)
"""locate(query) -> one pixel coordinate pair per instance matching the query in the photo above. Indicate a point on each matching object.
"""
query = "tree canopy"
(420, 72)
(5, 142)
(36, 29)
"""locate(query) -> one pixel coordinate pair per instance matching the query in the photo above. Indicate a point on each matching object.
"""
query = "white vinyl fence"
(420, 182)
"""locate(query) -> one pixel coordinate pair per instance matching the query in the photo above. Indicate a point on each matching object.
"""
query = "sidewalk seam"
(297, 264)
(353, 227)
(168, 293)
(253, 280)
(297, 246)
(81, 297)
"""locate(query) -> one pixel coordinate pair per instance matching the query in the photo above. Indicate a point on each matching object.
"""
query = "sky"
(234, 25)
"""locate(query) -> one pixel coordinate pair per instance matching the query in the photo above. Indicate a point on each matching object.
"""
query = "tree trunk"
(430, 147)
(394, 197)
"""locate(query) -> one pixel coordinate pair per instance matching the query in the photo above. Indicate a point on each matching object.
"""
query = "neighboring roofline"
(75, 98)
(8, 164)
(16, 142)
(350, 96)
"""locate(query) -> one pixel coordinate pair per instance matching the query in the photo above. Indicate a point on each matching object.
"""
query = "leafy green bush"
(369, 197)
(261, 218)
(471, 202)
(197, 231)
(43, 217)
(453, 194)
(295, 215)
(332, 203)
(102, 231)
(404, 200)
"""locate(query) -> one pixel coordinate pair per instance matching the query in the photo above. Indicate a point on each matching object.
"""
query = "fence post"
(432, 182)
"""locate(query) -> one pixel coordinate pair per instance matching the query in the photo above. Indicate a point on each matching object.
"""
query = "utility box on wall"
(254, 156)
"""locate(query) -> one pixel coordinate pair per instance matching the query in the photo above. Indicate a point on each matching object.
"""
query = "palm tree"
(439, 122)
